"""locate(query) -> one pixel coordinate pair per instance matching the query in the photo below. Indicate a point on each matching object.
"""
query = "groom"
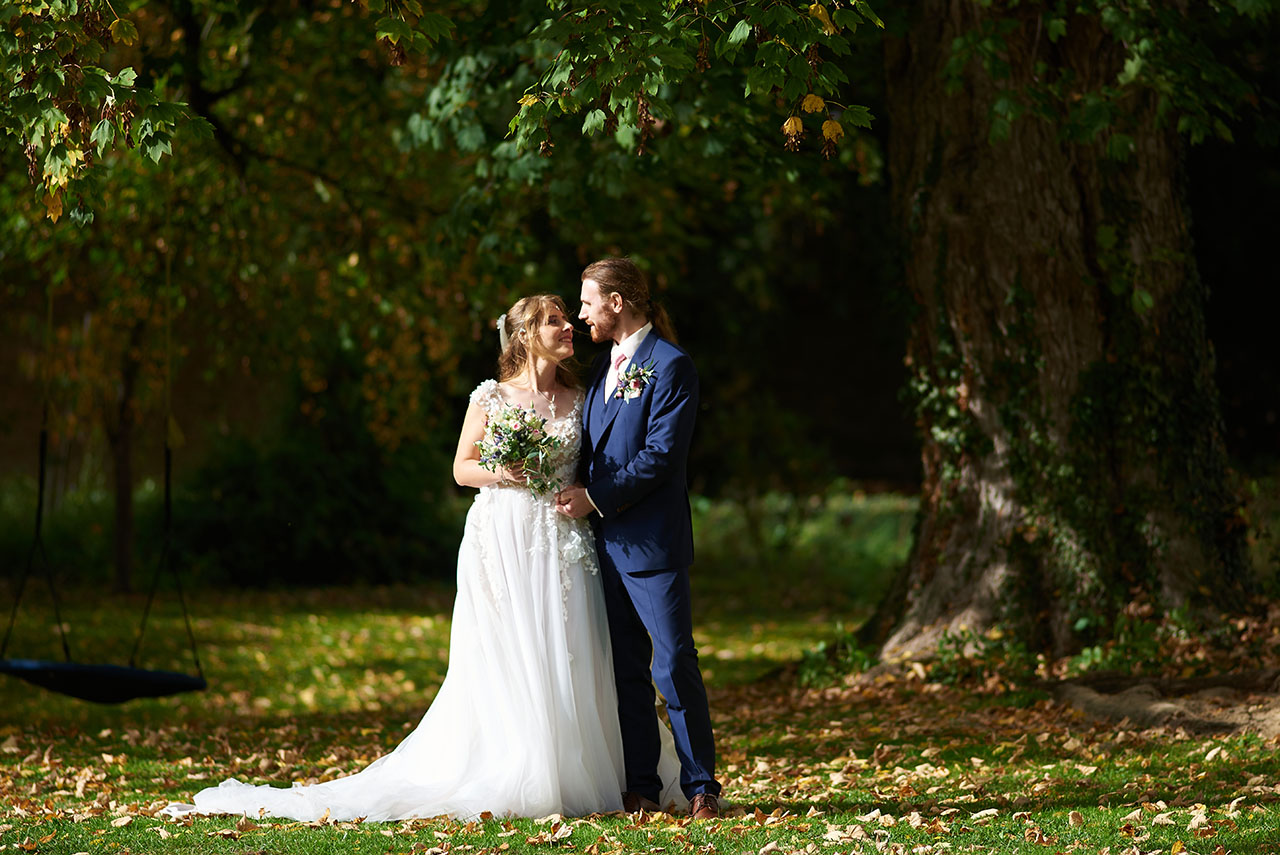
(637, 423)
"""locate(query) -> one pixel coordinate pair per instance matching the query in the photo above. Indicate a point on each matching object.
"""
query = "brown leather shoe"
(704, 806)
(634, 803)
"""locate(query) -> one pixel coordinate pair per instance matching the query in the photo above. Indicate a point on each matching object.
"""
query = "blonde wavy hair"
(520, 328)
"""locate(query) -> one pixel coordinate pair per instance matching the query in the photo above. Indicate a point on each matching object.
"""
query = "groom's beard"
(603, 331)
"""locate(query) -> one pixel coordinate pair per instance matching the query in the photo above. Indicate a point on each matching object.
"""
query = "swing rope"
(104, 683)
(169, 431)
(37, 542)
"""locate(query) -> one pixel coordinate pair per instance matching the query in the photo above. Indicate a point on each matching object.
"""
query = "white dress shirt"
(626, 348)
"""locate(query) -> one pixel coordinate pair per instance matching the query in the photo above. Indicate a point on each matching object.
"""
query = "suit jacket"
(635, 457)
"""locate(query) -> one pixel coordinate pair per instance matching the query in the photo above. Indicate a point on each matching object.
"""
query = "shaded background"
(305, 458)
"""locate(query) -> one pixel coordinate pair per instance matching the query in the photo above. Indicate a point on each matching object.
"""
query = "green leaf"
(857, 116)
(1106, 237)
(1001, 129)
(434, 26)
(125, 77)
(593, 122)
(1120, 146)
(103, 134)
(1142, 301)
(1132, 68)
(741, 32)
(156, 146)
(393, 30)
(868, 13)
(1056, 28)
(471, 138)
(201, 127)
(847, 19)
(1253, 8)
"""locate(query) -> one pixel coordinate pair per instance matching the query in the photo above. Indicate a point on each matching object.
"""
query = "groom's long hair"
(621, 276)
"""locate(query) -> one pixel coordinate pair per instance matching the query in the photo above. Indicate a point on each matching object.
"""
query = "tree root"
(1220, 703)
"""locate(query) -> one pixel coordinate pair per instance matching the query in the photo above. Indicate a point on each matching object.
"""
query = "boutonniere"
(632, 381)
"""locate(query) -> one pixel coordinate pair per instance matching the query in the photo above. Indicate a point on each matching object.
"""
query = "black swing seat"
(103, 684)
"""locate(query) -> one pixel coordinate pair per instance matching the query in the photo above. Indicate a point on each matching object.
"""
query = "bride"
(525, 722)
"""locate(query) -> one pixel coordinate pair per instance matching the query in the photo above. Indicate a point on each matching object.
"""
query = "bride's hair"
(520, 327)
(623, 277)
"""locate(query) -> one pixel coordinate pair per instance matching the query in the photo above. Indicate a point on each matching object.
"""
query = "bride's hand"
(514, 474)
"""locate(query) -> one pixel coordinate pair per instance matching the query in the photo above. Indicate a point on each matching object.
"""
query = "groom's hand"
(573, 502)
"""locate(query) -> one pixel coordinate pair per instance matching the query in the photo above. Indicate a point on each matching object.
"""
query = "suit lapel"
(595, 391)
(613, 405)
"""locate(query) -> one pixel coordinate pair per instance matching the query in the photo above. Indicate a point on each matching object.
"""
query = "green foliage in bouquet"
(517, 438)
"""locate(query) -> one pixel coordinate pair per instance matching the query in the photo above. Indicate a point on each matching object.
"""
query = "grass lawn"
(312, 685)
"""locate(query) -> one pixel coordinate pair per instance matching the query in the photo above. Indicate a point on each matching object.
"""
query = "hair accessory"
(503, 341)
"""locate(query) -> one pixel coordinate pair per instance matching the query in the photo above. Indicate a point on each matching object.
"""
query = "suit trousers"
(651, 627)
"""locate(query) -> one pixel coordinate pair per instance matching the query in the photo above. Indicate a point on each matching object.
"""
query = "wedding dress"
(525, 722)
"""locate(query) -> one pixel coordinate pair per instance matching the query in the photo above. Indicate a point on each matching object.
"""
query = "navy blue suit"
(634, 459)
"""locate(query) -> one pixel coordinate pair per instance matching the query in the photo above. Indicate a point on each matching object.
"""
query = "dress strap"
(487, 396)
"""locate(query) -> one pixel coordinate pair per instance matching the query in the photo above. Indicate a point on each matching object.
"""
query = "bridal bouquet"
(518, 437)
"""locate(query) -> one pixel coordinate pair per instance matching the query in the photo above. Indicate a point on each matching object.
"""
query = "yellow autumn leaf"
(123, 31)
(53, 206)
(819, 11)
(75, 156)
(793, 127)
(1176, 847)
(831, 130)
(528, 99)
(813, 103)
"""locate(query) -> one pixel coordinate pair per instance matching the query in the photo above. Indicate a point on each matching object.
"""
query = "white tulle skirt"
(525, 723)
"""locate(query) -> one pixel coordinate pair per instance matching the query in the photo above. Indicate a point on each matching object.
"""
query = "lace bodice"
(567, 427)
(548, 531)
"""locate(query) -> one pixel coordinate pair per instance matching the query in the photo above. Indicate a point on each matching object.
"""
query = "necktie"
(616, 369)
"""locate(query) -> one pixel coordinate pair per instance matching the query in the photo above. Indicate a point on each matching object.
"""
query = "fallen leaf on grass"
(1038, 837)
(557, 832)
(1076, 819)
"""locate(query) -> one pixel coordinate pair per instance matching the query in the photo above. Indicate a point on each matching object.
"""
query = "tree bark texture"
(1072, 447)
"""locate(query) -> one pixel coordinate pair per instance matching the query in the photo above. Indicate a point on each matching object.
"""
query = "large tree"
(1073, 444)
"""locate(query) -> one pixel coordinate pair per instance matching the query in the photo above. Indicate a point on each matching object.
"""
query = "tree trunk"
(120, 424)
(1073, 458)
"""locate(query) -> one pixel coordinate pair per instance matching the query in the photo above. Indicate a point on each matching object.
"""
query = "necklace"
(550, 398)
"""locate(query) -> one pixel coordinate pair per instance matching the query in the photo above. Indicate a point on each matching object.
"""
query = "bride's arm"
(467, 470)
